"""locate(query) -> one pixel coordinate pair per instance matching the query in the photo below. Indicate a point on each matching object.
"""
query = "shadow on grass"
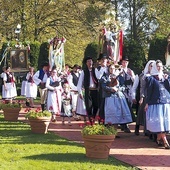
(71, 157)
(20, 133)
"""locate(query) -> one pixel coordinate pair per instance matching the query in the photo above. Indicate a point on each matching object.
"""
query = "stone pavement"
(138, 151)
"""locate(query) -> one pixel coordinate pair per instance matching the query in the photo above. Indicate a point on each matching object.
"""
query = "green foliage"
(136, 55)
(23, 150)
(98, 129)
(91, 51)
(157, 49)
(43, 54)
(34, 53)
(10, 105)
(37, 113)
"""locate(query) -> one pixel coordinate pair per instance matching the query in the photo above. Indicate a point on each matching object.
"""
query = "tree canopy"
(79, 21)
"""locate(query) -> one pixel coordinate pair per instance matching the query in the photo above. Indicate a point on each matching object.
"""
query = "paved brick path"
(138, 151)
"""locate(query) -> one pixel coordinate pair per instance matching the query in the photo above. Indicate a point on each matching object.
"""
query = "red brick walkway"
(138, 151)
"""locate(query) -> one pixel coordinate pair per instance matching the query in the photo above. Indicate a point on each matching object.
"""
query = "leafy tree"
(34, 54)
(136, 55)
(160, 10)
(43, 54)
(157, 49)
(42, 20)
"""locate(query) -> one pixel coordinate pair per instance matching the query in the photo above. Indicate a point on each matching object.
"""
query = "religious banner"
(56, 53)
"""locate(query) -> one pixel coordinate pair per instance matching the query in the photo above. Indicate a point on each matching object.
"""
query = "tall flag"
(120, 44)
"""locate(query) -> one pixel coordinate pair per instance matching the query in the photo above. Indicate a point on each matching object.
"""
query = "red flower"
(88, 123)
(26, 110)
(80, 125)
(51, 108)
(39, 108)
(98, 117)
(101, 120)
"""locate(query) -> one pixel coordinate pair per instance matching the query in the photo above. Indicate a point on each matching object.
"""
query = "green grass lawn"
(22, 150)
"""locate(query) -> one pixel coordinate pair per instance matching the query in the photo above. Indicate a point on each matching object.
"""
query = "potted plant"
(11, 110)
(39, 120)
(98, 139)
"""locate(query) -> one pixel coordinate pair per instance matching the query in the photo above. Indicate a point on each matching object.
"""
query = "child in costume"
(66, 103)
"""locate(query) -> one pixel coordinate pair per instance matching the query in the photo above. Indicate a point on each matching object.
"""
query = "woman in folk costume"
(23, 85)
(31, 87)
(23, 89)
(116, 108)
(2, 76)
(9, 88)
(66, 103)
(54, 88)
(141, 115)
(158, 104)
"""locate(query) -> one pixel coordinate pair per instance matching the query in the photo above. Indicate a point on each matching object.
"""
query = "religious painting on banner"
(56, 53)
(111, 36)
(19, 60)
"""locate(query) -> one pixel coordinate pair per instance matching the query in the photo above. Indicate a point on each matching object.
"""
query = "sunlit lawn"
(22, 150)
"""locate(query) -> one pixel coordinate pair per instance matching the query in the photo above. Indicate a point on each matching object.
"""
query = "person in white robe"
(40, 78)
(73, 81)
(31, 87)
(53, 85)
(9, 88)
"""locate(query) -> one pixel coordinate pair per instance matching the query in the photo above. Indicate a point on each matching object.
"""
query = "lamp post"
(18, 31)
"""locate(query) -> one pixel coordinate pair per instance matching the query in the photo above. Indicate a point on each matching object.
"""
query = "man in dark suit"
(89, 81)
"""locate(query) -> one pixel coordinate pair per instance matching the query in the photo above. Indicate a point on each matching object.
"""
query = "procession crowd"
(105, 90)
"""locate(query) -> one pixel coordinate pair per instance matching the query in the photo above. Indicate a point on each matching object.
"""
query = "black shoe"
(127, 130)
(154, 137)
(27, 104)
(166, 145)
(117, 136)
(150, 136)
(137, 130)
(146, 134)
(159, 143)
(136, 133)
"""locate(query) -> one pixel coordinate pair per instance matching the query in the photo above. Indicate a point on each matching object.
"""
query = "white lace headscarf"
(146, 69)
(155, 71)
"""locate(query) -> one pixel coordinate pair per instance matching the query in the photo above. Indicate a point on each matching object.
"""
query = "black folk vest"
(87, 78)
